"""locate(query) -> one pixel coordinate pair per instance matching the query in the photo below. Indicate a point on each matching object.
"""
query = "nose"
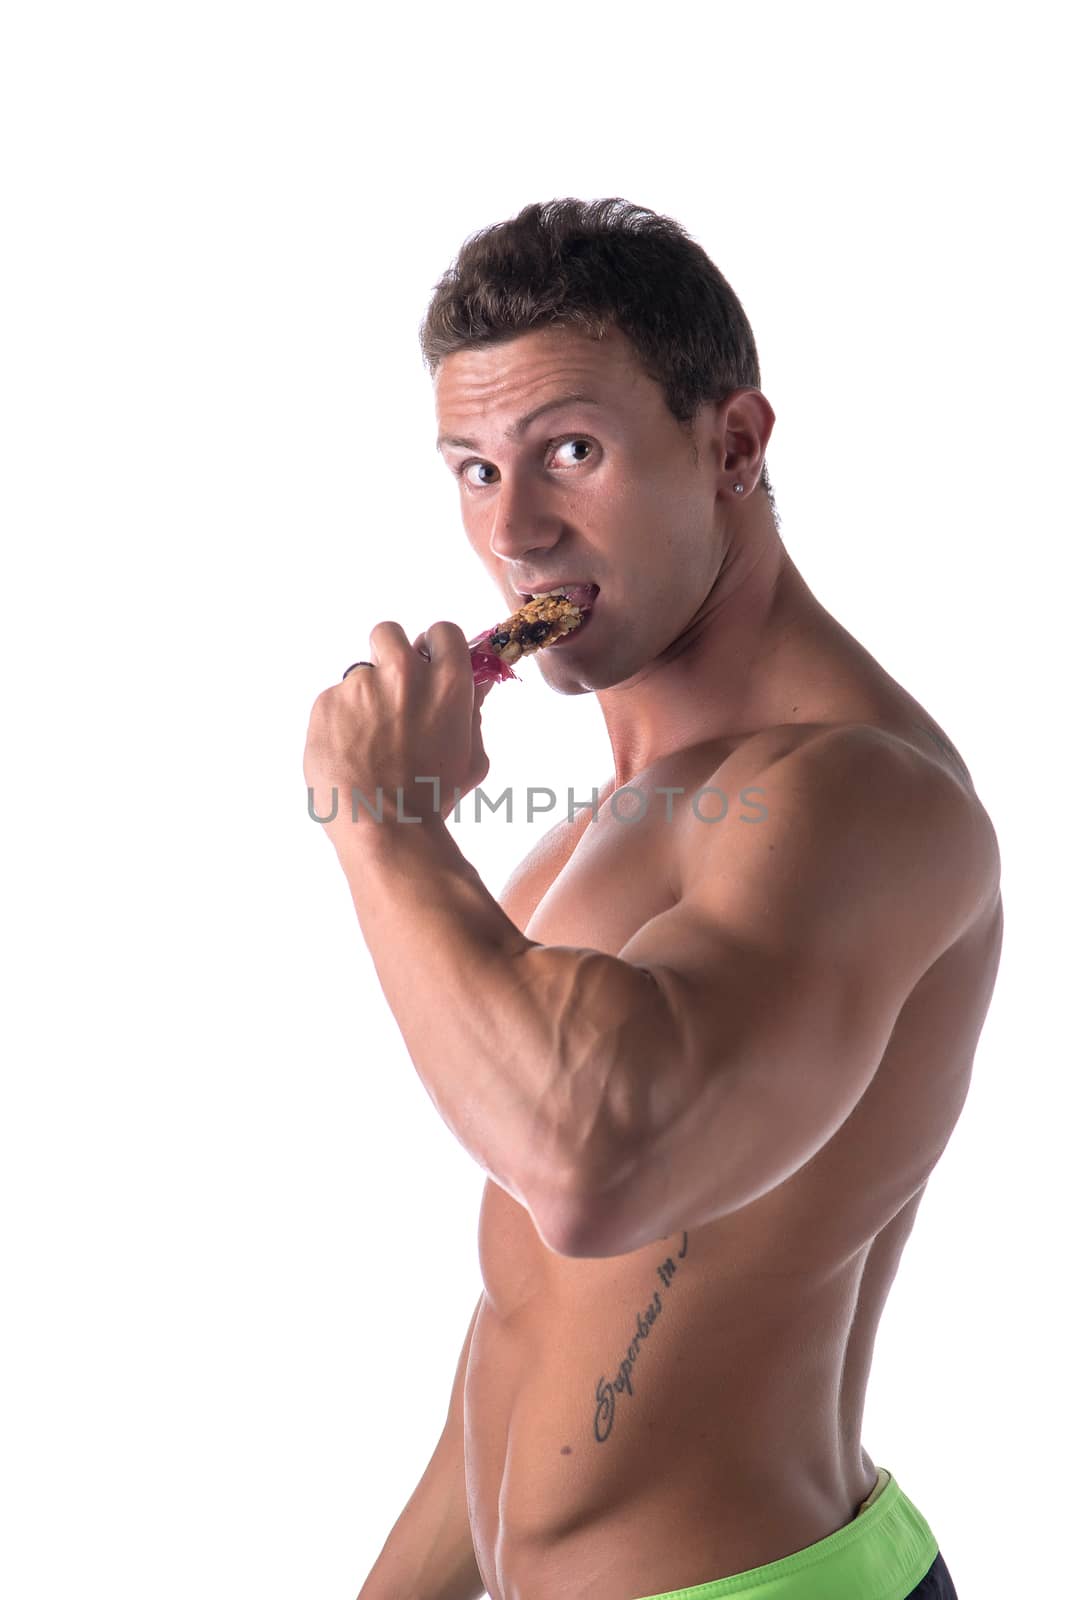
(518, 526)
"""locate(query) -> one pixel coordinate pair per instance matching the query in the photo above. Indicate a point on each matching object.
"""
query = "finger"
(480, 692)
(389, 643)
(447, 645)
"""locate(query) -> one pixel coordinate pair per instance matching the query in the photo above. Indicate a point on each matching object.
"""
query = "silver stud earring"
(739, 488)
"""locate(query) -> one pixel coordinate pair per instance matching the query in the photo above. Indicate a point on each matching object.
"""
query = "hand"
(415, 713)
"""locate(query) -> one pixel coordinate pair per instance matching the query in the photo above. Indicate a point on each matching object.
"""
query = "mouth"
(582, 595)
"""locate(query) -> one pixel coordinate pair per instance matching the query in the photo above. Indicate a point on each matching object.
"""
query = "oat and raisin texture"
(540, 622)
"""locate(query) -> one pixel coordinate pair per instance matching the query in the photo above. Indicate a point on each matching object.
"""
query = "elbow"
(568, 1229)
(583, 1224)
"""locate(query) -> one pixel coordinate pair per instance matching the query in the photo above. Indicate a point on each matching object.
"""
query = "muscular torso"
(745, 1344)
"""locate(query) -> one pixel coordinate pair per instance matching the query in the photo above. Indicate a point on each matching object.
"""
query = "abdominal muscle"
(646, 1422)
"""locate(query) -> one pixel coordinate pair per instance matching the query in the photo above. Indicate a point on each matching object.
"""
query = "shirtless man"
(708, 1065)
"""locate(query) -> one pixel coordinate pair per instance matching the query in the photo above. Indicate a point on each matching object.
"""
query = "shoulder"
(852, 763)
(846, 812)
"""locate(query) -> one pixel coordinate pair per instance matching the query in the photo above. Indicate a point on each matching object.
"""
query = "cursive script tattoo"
(608, 1388)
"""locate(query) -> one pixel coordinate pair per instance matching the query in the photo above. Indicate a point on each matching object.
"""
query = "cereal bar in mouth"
(539, 623)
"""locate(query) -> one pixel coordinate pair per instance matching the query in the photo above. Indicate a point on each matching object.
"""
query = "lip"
(556, 583)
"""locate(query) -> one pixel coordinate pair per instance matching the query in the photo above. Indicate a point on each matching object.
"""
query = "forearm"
(429, 1554)
(535, 1055)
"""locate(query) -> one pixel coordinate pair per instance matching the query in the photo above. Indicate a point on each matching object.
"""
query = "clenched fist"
(415, 714)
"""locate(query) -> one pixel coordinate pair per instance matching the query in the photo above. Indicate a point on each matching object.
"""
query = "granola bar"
(540, 622)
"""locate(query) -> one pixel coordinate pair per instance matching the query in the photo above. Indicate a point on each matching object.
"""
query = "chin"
(571, 687)
(585, 678)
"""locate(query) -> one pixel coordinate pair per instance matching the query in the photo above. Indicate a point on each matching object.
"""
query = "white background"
(238, 1243)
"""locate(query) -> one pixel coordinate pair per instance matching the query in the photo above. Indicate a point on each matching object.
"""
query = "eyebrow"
(517, 429)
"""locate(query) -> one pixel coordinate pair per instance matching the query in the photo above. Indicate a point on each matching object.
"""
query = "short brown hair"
(587, 263)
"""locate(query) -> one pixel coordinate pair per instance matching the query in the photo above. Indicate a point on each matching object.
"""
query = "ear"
(746, 422)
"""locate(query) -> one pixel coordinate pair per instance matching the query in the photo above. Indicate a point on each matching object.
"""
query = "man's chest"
(598, 880)
(600, 886)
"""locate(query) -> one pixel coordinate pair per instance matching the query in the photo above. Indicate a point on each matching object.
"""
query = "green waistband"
(880, 1555)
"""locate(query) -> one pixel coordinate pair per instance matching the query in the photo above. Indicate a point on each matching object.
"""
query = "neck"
(741, 663)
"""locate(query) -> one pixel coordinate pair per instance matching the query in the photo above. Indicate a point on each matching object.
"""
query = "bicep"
(781, 972)
(772, 1043)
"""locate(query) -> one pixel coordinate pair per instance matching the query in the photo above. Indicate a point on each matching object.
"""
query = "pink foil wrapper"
(487, 665)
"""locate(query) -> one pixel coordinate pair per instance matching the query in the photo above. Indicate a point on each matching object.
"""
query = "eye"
(572, 441)
(462, 473)
(577, 439)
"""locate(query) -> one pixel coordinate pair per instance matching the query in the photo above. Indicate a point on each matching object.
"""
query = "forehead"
(501, 381)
